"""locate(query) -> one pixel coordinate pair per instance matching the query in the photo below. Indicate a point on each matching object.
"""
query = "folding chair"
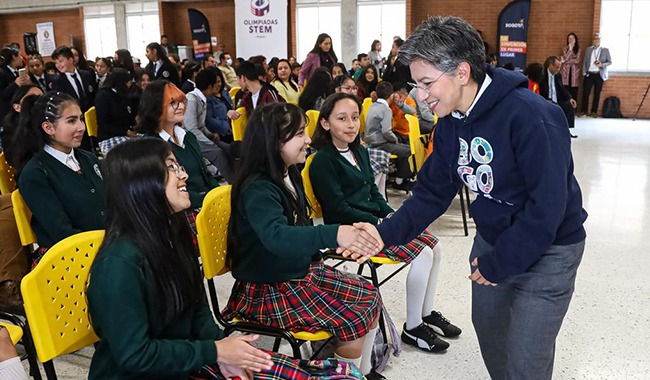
(23, 222)
(239, 125)
(312, 121)
(19, 332)
(90, 117)
(233, 92)
(7, 179)
(365, 106)
(212, 226)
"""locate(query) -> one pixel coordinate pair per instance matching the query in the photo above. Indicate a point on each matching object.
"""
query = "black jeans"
(595, 81)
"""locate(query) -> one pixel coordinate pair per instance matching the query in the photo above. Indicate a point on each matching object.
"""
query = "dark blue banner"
(512, 34)
(200, 33)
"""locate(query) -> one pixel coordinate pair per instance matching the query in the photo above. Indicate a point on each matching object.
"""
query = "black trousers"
(595, 81)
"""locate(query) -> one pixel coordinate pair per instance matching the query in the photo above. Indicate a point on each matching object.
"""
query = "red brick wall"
(175, 24)
(66, 23)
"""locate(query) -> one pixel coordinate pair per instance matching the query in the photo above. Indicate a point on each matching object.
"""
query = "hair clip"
(49, 105)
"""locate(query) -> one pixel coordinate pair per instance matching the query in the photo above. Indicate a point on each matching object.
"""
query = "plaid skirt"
(106, 145)
(190, 215)
(379, 160)
(409, 251)
(325, 299)
(285, 367)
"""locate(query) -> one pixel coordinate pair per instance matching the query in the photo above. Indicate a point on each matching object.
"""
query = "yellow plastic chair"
(15, 332)
(90, 117)
(316, 210)
(54, 294)
(212, 226)
(418, 149)
(19, 332)
(365, 106)
(23, 219)
(312, 121)
(233, 92)
(239, 125)
(7, 179)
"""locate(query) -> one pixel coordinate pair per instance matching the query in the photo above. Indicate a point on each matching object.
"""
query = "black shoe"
(374, 375)
(573, 136)
(424, 338)
(406, 185)
(441, 325)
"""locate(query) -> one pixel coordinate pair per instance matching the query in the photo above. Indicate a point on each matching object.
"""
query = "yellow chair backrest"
(239, 125)
(212, 227)
(7, 179)
(317, 211)
(312, 121)
(15, 332)
(233, 92)
(418, 150)
(90, 117)
(365, 106)
(54, 294)
(23, 219)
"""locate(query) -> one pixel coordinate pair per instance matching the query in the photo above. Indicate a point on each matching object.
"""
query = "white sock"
(355, 361)
(427, 307)
(380, 181)
(416, 287)
(366, 353)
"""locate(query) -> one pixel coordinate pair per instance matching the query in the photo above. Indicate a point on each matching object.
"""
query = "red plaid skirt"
(190, 215)
(409, 251)
(325, 299)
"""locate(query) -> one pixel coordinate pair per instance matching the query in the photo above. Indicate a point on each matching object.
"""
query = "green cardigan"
(270, 248)
(134, 344)
(62, 202)
(199, 181)
(346, 194)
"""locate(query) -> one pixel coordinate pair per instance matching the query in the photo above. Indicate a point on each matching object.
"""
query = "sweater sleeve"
(117, 304)
(262, 207)
(387, 127)
(323, 174)
(203, 324)
(308, 67)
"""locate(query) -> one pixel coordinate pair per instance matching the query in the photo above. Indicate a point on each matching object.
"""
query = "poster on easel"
(45, 38)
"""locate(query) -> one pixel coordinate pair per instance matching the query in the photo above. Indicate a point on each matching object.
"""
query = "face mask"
(229, 62)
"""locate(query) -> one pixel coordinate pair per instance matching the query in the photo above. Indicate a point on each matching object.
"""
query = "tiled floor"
(607, 329)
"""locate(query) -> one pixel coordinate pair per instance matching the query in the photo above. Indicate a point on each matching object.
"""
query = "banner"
(261, 28)
(200, 28)
(512, 32)
(45, 38)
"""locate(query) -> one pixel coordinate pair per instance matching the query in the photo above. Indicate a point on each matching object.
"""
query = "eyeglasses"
(349, 88)
(178, 169)
(428, 86)
(177, 103)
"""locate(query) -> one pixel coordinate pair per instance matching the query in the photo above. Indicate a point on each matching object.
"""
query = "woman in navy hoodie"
(512, 149)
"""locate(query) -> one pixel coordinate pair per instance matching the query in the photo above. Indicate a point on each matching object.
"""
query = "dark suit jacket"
(187, 87)
(167, 71)
(89, 83)
(7, 89)
(562, 93)
(48, 81)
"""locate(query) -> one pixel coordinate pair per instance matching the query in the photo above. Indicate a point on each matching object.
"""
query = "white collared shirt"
(68, 160)
(178, 132)
(73, 83)
(13, 71)
(199, 94)
(595, 53)
(157, 66)
(552, 91)
(484, 86)
(383, 101)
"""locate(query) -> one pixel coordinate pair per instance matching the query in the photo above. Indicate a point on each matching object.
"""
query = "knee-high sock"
(416, 287)
(366, 353)
(355, 361)
(380, 181)
(427, 306)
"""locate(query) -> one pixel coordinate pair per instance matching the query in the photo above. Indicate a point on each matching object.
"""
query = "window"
(316, 17)
(624, 33)
(99, 27)
(380, 20)
(142, 27)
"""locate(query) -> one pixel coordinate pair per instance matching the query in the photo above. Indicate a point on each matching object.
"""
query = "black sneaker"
(424, 338)
(374, 376)
(441, 325)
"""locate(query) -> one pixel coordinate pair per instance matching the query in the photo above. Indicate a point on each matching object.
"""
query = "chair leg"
(30, 349)
(469, 213)
(276, 344)
(462, 209)
(295, 347)
(50, 373)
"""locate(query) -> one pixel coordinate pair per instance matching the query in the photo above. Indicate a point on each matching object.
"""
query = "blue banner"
(200, 28)
(512, 33)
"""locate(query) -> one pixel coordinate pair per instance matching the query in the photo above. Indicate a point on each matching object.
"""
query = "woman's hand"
(237, 351)
(361, 238)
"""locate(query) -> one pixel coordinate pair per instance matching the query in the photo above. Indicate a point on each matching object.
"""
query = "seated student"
(145, 298)
(161, 114)
(401, 105)
(212, 148)
(535, 74)
(115, 116)
(10, 122)
(295, 71)
(225, 65)
(255, 92)
(364, 61)
(367, 83)
(62, 185)
(316, 90)
(189, 76)
(354, 67)
(338, 69)
(220, 110)
(273, 248)
(343, 183)
(424, 113)
(286, 87)
(380, 135)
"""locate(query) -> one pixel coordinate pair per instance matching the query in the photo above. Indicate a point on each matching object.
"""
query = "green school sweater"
(199, 181)
(347, 195)
(134, 343)
(269, 247)
(62, 202)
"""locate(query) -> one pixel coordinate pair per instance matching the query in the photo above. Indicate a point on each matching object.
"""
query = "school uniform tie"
(41, 82)
(80, 89)
(70, 162)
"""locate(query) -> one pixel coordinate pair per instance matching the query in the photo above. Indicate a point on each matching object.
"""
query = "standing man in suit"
(597, 59)
(551, 88)
(159, 66)
(164, 43)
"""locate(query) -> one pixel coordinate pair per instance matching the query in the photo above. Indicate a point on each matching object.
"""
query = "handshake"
(359, 241)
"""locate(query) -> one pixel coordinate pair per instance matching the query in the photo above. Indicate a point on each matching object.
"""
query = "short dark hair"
(247, 69)
(360, 56)
(205, 79)
(190, 68)
(62, 51)
(223, 55)
(384, 90)
(399, 86)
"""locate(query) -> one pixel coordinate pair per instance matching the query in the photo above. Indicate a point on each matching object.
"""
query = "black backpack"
(612, 108)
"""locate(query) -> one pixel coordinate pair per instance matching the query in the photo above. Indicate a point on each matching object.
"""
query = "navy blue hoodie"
(514, 152)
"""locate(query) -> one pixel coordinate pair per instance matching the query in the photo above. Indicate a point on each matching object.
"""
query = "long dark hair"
(83, 63)
(137, 209)
(160, 52)
(576, 47)
(7, 55)
(317, 49)
(277, 78)
(362, 81)
(321, 136)
(124, 60)
(318, 86)
(270, 126)
(30, 138)
(117, 80)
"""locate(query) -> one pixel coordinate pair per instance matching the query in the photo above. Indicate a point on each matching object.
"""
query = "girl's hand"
(233, 115)
(362, 238)
(233, 372)
(237, 351)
